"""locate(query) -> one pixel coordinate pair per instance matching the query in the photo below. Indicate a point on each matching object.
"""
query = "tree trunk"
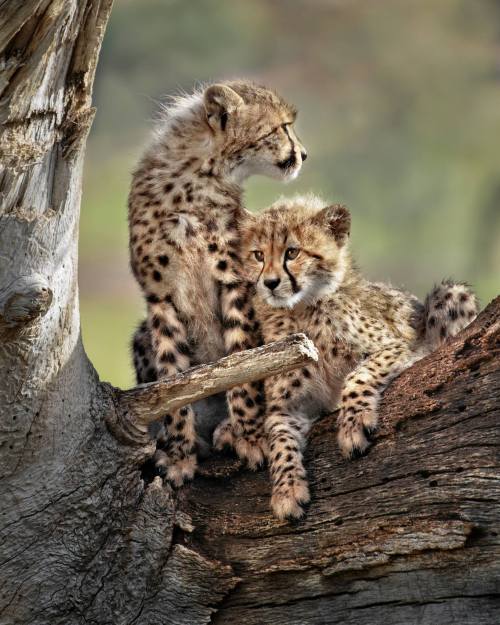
(408, 534)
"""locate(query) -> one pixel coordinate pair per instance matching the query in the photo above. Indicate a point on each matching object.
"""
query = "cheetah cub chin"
(185, 206)
(296, 254)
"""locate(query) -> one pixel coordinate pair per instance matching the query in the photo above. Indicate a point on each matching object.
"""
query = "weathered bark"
(408, 534)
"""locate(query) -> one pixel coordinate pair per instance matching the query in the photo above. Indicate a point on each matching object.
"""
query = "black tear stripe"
(293, 281)
(285, 128)
(291, 160)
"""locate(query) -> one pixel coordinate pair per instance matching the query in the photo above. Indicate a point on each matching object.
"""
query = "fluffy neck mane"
(183, 135)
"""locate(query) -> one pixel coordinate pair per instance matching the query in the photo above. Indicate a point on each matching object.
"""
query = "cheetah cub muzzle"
(296, 254)
(185, 207)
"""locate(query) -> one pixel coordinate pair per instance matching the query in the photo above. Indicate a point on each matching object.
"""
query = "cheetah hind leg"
(176, 445)
(174, 459)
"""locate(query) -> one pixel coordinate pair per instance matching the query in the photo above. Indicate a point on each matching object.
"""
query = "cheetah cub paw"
(177, 472)
(287, 500)
(354, 431)
(252, 448)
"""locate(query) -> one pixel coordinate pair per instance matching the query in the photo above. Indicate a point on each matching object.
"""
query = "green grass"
(107, 326)
(103, 224)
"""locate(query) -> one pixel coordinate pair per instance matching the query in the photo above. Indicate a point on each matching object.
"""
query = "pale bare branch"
(139, 406)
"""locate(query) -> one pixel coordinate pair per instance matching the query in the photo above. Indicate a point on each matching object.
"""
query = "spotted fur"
(185, 205)
(296, 254)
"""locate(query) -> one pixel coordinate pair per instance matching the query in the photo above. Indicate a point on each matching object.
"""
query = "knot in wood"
(23, 301)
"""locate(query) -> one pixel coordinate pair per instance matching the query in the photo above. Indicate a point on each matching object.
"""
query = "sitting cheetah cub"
(185, 206)
(296, 254)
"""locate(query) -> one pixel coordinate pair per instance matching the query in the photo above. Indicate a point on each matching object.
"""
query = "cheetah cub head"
(296, 251)
(253, 128)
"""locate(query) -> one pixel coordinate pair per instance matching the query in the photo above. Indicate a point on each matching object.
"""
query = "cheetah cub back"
(185, 206)
(297, 256)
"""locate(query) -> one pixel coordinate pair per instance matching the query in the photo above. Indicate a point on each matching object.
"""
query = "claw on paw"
(181, 471)
(354, 432)
(223, 435)
(253, 450)
(287, 504)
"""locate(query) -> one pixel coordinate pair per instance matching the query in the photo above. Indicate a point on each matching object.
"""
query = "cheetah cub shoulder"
(297, 256)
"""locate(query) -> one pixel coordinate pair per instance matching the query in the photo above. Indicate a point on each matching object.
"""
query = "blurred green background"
(399, 109)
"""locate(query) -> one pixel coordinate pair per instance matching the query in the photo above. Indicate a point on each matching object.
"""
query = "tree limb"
(140, 406)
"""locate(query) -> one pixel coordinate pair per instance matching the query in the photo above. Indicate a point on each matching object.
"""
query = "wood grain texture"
(48, 51)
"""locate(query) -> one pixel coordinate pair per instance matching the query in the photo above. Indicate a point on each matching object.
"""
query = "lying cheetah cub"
(366, 333)
(185, 206)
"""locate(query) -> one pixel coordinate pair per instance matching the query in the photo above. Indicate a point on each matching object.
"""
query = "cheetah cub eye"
(292, 253)
(259, 255)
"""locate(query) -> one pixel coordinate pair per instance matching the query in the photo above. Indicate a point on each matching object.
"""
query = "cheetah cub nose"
(272, 283)
(304, 155)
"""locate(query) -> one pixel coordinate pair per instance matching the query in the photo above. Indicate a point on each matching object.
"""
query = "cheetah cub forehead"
(246, 126)
(296, 251)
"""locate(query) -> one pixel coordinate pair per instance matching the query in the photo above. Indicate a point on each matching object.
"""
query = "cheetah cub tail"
(449, 307)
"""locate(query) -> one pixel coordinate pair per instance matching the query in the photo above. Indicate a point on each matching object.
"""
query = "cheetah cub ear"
(220, 101)
(336, 220)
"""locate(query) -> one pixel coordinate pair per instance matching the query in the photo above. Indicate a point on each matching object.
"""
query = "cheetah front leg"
(243, 430)
(177, 454)
(362, 389)
(287, 431)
